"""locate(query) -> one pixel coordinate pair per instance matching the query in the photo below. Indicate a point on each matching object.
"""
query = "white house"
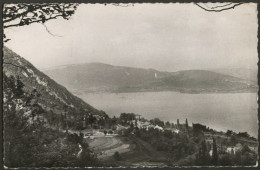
(158, 127)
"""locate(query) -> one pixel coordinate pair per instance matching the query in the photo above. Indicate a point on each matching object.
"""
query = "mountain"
(98, 77)
(243, 73)
(53, 96)
(203, 81)
(102, 77)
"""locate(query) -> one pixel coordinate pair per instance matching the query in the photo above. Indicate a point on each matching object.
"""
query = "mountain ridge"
(100, 77)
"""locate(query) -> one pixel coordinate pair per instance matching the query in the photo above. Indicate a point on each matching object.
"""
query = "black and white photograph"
(130, 85)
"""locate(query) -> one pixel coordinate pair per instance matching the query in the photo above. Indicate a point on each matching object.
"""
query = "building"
(120, 129)
(158, 127)
(234, 149)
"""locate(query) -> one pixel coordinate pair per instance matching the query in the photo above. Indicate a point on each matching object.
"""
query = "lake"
(221, 111)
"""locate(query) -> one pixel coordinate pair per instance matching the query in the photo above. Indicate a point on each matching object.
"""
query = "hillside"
(53, 96)
(200, 81)
(98, 77)
(102, 77)
(243, 73)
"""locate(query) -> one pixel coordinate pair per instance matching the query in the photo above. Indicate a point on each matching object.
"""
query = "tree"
(66, 108)
(15, 15)
(225, 160)
(229, 132)
(21, 131)
(117, 156)
(157, 121)
(215, 153)
(168, 124)
(186, 123)
(243, 134)
(233, 140)
(178, 123)
(91, 119)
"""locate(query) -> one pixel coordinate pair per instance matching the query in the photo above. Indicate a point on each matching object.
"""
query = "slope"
(53, 96)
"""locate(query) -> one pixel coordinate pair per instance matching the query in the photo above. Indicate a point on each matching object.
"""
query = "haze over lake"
(222, 111)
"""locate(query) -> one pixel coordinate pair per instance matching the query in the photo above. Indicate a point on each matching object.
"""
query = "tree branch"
(23, 13)
(221, 6)
(40, 20)
(50, 31)
(218, 10)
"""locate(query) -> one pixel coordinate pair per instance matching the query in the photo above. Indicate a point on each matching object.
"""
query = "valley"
(130, 129)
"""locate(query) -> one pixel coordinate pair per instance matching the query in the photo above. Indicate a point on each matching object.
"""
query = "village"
(115, 138)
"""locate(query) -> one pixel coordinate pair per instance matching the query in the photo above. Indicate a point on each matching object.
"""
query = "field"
(132, 150)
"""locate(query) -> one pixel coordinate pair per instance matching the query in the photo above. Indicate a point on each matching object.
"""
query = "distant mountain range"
(53, 96)
(98, 77)
(243, 73)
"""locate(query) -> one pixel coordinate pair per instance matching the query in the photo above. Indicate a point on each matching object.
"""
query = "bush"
(117, 156)
(225, 160)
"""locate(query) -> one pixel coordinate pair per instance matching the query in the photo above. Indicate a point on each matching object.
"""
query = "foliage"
(157, 121)
(215, 153)
(243, 134)
(117, 156)
(25, 14)
(126, 117)
(186, 123)
(27, 140)
(177, 145)
(203, 157)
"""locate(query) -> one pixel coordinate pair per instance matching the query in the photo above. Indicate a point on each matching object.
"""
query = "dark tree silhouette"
(178, 123)
(218, 8)
(25, 14)
(21, 14)
(15, 15)
(215, 153)
(186, 123)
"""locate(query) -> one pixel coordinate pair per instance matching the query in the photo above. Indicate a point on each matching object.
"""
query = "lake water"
(235, 111)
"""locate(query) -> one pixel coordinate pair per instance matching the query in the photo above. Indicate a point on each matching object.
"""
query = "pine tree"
(178, 123)
(204, 148)
(19, 87)
(187, 125)
(215, 153)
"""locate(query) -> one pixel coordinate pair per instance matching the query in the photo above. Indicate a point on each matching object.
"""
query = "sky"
(166, 37)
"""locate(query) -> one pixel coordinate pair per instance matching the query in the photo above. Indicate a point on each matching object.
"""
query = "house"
(120, 129)
(176, 131)
(158, 127)
(211, 152)
(173, 130)
(234, 149)
(209, 140)
(149, 127)
(142, 125)
(238, 147)
(230, 150)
